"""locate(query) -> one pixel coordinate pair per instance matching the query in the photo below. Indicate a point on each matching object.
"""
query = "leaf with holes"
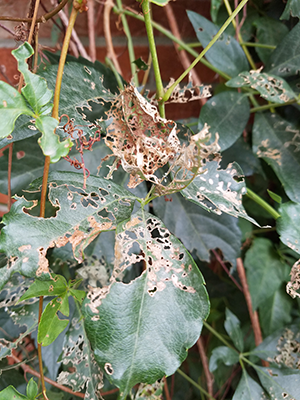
(12, 105)
(169, 296)
(55, 287)
(218, 191)
(226, 54)
(80, 369)
(81, 216)
(268, 31)
(271, 87)
(277, 141)
(288, 225)
(285, 59)
(199, 230)
(234, 111)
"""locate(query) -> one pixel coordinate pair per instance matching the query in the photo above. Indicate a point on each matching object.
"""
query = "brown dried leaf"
(188, 93)
(294, 283)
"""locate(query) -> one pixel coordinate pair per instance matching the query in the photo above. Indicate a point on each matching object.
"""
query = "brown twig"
(7, 29)
(91, 30)
(253, 315)
(221, 262)
(107, 34)
(183, 57)
(166, 389)
(207, 373)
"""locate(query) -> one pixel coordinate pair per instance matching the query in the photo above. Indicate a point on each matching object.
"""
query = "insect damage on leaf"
(188, 93)
(265, 151)
(288, 347)
(293, 286)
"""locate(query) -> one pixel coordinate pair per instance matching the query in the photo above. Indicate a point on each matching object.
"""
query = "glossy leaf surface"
(126, 323)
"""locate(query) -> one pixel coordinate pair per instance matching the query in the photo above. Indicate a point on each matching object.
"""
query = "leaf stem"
(263, 46)
(129, 45)
(262, 203)
(195, 384)
(272, 105)
(39, 346)
(204, 51)
(152, 46)
(248, 55)
(217, 334)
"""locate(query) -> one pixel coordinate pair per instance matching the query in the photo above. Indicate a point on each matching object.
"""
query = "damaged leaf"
(82, 215)
(169, 296)
(277, 141)
(293, 286)
(188, 93)
(271, 87)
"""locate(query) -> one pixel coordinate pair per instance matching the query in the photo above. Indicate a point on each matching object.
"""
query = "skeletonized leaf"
(12, 105)
(227, 114)
(248, 388)
(169, 296)
(199, 230)
(35, 91)
(277, 141)
(226, 54)
(271, 87)
(82, 214)
(216, 190)
(285, 59)
(288, 225)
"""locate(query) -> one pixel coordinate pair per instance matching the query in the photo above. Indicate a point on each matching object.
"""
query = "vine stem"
(204, 51)
(204, 360)
(195, 384)
(218, 335)
(262, 203)
(107, 34)
(156, 69)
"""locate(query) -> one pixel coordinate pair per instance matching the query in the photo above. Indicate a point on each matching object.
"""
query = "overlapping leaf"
(226, 54)
(233, 111)
(288, 226)
(292, 8)
(277, 141)
(281, 383)
(248, 388)
(126, 323)
(222, 355)
(81, 216)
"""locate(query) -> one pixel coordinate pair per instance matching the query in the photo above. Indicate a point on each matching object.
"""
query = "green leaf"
(79, 295)
(227, 114)
(49, 142)
(169, 296)
(275, 312)
(51, 325)
(292, 8)
(35, 91)
(199, 230)
(214, 9)
(77, 353)
(226, 54)
(271, 87)
(10, 393)
(218, 191)
(274, 196)
(12, 105)
(82, 214)
(277, 142)
(222, 355)
(140, 63)
(160, 2)
(233, 328)
(54, 287)
(268, 31)
(32, 389)
(288, 225)
(281, 383)
(248, 388)
(285, 59)
(265, 271)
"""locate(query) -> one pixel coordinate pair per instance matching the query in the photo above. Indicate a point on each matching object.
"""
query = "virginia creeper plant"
(132, 234)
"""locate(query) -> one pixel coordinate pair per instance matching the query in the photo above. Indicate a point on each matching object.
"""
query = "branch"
(107, 34)
(91, 30)
(221, 262)
(207, 373)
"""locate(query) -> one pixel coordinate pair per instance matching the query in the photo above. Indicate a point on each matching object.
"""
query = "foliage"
(170, 230)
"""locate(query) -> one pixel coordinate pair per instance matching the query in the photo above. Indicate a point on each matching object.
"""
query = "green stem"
(169, 35)
(204, 51)
(156, 69)
(249, 58)
(262, 203)
(195, 384)
(263, 46)
(129, 45)
(111, 65)
(220, 337)
(272, 105)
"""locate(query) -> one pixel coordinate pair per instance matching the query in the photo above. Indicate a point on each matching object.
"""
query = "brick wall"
(170, 65)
